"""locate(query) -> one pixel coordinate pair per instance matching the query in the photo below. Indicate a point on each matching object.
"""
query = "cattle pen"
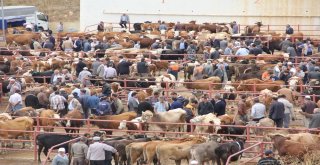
(251, 139)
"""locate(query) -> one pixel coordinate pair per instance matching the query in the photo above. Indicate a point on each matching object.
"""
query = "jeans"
(286, 120)
(123, 24)
(107, 162)
(97, 162)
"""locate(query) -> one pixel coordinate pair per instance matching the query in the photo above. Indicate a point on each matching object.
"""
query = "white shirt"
(16, 97)
(242, 52)
(258, 110)
(110, 72)
(97, 150)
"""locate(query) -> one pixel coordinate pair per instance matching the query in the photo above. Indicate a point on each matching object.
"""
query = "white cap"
(289, 63)
(157, 40)
(85, 68)
(172, 62)
(61, 150)
(194, 162)
(307, 97)
(96, 138)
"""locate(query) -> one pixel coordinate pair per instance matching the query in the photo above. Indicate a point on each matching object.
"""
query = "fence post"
(268, 28)
(210, 89)
(248, 133)
(298, 28)
(167, 89)
(261, 149)
(35, 134)
(44, 79)
(239, 29)
(88, 125)
(314, 97)
(254, 88)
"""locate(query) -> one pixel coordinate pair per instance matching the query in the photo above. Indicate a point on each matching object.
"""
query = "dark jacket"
(176, 104)
(142, 67)
(276, 110)
(144, 106)
(124, 67)
(205, 108)
(220, 107)
(255, 51)
(103, 108)
(314, 75)
(309, 106)
(79, 46)
(80, 67)
(289, 30)
(32, 101)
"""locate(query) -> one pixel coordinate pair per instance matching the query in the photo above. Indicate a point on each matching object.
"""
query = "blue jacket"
(93, 102)
(176, 104)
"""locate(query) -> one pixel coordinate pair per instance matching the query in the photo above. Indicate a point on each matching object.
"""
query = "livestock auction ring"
(183, 93)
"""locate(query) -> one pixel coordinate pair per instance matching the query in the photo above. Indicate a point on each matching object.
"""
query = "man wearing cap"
(288, 112)
(15, 101)
(268, 159)
(84, 76)
(96, 152)
(79, 151)
(308, 107)
(277, 111)
(156, 45)
(61, 158)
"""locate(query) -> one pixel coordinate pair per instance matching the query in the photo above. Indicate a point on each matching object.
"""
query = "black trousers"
(97, 162)
(123, 24)
(279, 122)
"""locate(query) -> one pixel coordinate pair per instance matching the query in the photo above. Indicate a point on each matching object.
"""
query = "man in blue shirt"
(93, 102)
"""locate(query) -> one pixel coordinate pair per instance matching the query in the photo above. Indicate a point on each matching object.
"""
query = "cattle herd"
(118, 80)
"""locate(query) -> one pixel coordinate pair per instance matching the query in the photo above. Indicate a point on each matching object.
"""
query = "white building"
(245, 12)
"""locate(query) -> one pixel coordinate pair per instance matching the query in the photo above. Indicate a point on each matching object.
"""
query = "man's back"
(268, 161)
(79, 150)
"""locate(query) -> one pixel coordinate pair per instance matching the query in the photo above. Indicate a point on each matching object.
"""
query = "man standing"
(84, 76)
(57, 103)
(235, 27)
(109, 72)
(60, 27)
(80, 65)
(15, 101)
(288, 110)
(258, 110)
(79, 151)
(133, 102)
(93, 102)
(96, 152)
(308, 107)
(116, 104)
(124, 19)
(205, 106)
(242, 111)
(289, 29)
(277, 112)
(84, 102)
(123, 66)
(95, 66)
(220, 105)
(314, 118)
(100, 27)
(142, 68)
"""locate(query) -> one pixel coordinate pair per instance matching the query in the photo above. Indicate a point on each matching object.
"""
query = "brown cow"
(290, 147)
(48, 120)
(69, 122)
(112, 124)
(253, 29)
(204, 84)
(22, 39)
(19, 125)
(247, 85)
(134, 151)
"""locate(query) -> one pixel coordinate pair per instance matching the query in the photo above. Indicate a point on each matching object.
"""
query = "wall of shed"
(270, 12)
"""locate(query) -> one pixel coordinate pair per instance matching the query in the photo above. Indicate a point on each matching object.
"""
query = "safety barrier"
(246, 149)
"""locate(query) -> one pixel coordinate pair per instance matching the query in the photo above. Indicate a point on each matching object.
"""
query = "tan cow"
(48, 119)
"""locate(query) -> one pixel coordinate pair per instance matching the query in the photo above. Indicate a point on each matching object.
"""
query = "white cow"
(206, 119)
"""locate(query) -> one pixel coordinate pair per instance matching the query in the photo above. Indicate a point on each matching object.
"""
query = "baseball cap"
(268, 152)
(61, 150)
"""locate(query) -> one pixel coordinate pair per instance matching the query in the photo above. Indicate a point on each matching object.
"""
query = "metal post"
(3, 29)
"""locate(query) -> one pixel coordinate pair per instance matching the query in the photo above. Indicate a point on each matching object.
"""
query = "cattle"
(48, 119)
(69, 122)
(26, 111)
(42, 77)
(265, 122)
(204, 152)
(134, 151)
(204, 84)
(161, 65)
(5, 117)
(172, 55)
(165, 79)
(248, 85)
(290, 147)
(111, 124)
(265, 97)
(22, 39)
(206, 119)
(227, 149)
(253, 29)
(120, 146)
(18, 127)
(46, 141)
(176, 152)
(132, 125)
(172, 116)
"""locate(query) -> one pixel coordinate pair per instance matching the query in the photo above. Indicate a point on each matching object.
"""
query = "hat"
(85, 68)
(157, 40)
(289, 63)
(172, 62)
(96, 138)
(268, 152)
(61, 150)
(307, 97)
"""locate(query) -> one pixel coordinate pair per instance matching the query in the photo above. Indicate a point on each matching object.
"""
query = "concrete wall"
(272, 12)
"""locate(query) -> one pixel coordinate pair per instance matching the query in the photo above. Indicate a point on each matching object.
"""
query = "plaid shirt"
(57, 102)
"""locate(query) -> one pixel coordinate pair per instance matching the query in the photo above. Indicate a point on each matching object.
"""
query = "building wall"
(272, 12)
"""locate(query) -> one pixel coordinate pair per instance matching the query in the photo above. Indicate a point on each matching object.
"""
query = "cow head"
(197, 119)
(146, 116)
(214, 137)
(293, 82)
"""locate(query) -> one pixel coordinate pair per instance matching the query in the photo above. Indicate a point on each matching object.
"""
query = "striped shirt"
(57, 102)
